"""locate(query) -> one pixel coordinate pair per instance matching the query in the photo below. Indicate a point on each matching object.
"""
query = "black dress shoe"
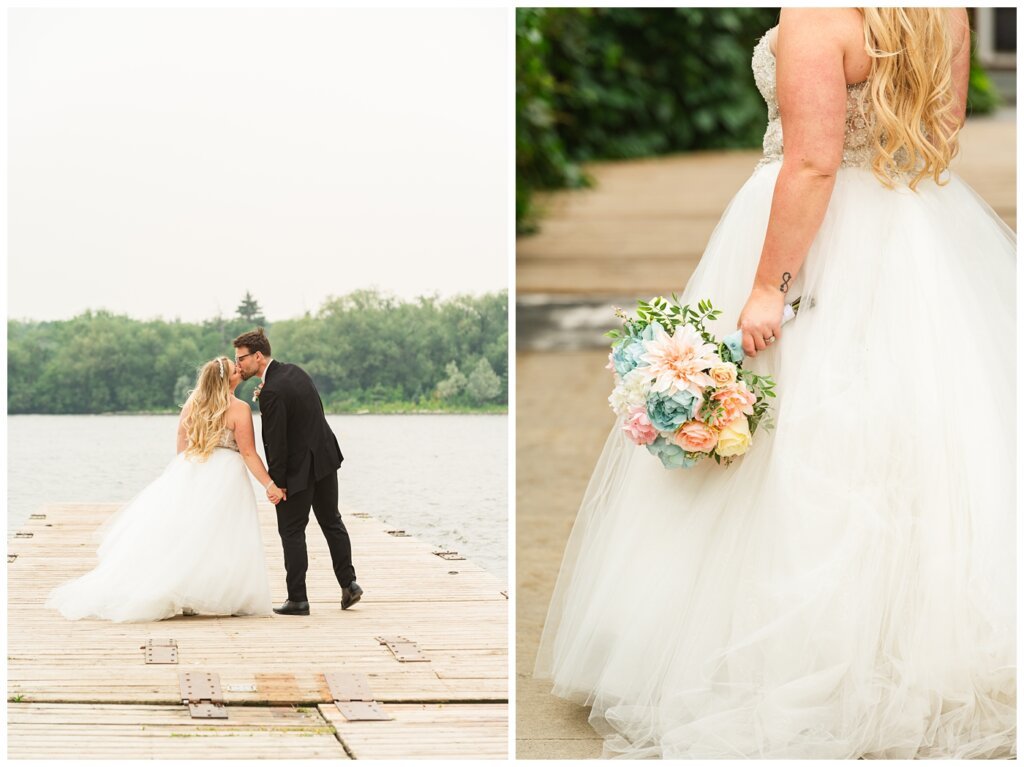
(293, 608)
(350, 594)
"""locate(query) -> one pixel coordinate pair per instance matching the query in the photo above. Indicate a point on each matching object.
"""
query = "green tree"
(365, 351)
(483, 384)
(250, 311)
(181, 389)
(453, 385)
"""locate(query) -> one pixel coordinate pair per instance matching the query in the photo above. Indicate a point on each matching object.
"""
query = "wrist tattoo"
(784, 287)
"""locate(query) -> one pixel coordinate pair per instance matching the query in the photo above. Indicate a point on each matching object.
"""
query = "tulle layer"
(847, 588)
(191, 539)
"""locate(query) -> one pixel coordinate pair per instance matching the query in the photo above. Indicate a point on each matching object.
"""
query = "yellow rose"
(723, 374)
(734, 439)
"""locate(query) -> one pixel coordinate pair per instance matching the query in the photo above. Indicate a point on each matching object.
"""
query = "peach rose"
(735, 400)
(735, 438)
(723, 374)
(696, 437)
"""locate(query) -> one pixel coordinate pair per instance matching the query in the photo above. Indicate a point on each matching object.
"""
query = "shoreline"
(255, 412)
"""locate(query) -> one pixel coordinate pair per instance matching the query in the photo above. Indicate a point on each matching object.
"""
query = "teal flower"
(626, 353)
(672, 456)
(668, 413)
(734, 344)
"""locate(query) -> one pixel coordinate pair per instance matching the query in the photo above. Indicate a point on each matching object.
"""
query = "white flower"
(631, 391)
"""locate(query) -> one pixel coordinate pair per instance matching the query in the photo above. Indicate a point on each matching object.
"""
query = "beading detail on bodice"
(857, 149)
(227, 439)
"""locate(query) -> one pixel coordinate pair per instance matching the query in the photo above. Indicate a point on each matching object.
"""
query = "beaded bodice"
(227, 439)
(857, 149)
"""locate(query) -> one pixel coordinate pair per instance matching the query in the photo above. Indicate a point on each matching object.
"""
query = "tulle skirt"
(191, 539)
(847, 588)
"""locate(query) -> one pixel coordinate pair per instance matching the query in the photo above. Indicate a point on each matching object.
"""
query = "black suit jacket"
(298, 442)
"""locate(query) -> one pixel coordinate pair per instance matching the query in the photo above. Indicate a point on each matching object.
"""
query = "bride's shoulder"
(829, 23)
(239, 408)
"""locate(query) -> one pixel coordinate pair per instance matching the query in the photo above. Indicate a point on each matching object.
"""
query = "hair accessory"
(220, 364)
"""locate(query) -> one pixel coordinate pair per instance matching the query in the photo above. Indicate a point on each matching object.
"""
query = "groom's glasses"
(239, 359)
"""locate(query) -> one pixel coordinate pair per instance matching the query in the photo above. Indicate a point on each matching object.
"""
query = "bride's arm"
(811, 88)
(247, 444)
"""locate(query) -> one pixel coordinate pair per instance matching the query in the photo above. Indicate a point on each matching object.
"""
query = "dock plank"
(70, 730)
(434, 731)
(65, 676)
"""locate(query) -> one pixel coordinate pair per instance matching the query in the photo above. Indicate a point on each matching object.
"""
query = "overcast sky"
(164, 161)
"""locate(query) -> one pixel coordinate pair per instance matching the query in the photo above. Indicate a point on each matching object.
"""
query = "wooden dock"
(83, 689)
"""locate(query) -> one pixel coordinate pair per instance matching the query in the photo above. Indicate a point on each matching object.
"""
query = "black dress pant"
(292, 517)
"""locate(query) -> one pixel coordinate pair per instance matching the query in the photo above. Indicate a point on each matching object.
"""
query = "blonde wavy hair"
(912, 92)
(208, 408)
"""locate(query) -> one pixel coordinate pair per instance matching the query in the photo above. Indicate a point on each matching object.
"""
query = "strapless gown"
(189, 541)
(847, 588)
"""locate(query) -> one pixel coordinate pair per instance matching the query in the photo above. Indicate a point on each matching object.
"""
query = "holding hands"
(275, 494)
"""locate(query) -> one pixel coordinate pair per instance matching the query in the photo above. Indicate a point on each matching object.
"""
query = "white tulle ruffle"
(846, 589)
(191, 539)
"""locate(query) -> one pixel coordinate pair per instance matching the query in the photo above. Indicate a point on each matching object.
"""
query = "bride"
(847, 588)
(190, 541)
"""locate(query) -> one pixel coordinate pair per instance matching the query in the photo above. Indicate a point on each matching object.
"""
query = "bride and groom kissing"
(190, 541)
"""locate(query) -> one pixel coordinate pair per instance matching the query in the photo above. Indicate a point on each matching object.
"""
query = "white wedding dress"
(189, 541)
(847, 588)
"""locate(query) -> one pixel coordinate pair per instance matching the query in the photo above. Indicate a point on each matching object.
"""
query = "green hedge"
(630, 82)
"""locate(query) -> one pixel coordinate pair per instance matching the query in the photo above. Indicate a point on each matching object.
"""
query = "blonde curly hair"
(912, 93)
(208, 407)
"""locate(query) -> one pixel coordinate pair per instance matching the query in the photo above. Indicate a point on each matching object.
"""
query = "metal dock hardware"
(37, 516)
(404, 650)
(448, 555)
(161, 651)
(23, 535)
(352, 696)
(398, 533)
(201, 691)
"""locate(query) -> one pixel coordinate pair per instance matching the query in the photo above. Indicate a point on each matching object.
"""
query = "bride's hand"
(761, 319)
(274, 494)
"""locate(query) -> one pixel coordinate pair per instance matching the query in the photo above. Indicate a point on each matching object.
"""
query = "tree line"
(366, 351)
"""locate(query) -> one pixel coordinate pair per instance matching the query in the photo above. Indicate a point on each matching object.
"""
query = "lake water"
(442, 478)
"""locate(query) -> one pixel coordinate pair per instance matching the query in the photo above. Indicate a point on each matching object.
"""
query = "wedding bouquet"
(684, 394)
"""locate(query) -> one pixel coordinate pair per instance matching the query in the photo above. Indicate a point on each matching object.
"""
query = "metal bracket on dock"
(398, 533)
(161, 651)
(23, 535)
(448, 555)
(200, 690)
(504, 594)
(11, 558)
(360, 514)
(37, 516)
(404, 650)
(352, 696)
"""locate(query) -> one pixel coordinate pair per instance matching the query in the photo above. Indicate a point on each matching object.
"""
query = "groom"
(303, 458)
